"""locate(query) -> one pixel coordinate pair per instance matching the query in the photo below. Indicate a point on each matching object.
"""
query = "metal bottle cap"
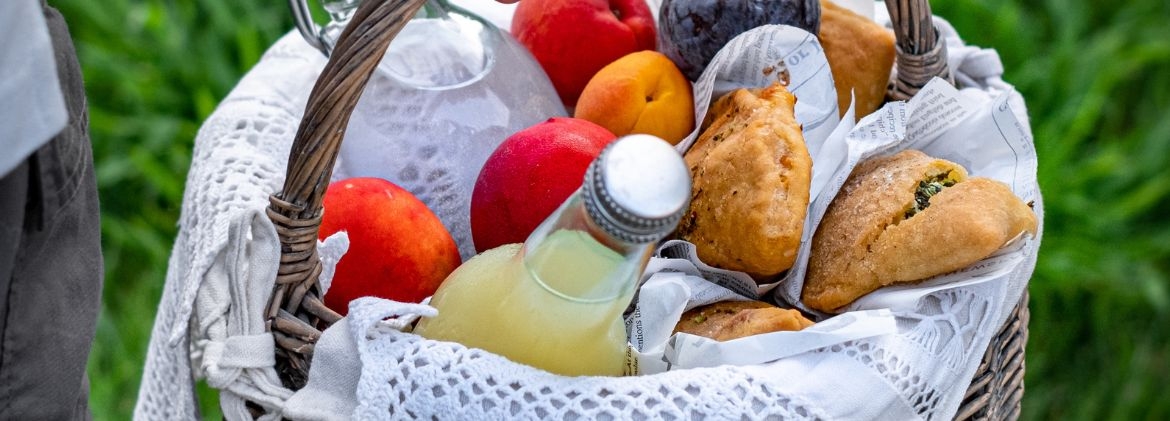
(637, 189)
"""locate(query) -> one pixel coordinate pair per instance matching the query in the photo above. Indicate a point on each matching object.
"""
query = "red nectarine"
(398, 248)
(573, 39)
(529, 176)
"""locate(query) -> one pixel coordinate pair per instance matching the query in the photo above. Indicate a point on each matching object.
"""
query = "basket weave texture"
(296, 311)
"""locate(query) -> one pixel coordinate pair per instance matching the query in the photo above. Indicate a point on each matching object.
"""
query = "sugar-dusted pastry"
(727, 320)
(750, 194)
(905, 218)
(861, 56)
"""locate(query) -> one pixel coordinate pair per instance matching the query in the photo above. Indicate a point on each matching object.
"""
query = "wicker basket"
(296, 309)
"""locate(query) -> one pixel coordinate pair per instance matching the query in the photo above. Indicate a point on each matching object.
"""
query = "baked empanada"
(751, 173)
(727, 320)
(861, 56)
(905, 218)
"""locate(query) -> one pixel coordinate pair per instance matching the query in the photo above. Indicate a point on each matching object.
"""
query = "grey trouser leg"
(50, 263)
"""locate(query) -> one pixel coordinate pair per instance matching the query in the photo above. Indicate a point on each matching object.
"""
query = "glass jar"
(449, 90)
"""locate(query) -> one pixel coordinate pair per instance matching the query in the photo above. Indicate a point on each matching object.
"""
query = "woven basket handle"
(920, 54)
(296, 310)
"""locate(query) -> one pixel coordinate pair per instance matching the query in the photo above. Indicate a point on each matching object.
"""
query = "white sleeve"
(32, 108)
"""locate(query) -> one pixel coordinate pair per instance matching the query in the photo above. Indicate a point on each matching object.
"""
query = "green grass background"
(1096, 76)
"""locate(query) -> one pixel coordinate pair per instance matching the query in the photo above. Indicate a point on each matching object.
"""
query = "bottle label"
(631, 368)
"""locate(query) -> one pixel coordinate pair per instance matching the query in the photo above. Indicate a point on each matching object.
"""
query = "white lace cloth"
(209, 322)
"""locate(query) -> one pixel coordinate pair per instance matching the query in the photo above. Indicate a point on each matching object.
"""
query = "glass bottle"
(555, 302)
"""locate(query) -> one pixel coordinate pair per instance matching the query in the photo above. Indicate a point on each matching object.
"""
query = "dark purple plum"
(690, 32)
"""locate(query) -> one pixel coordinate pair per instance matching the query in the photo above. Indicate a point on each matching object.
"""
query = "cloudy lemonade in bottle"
(555, 302)
(534, 312)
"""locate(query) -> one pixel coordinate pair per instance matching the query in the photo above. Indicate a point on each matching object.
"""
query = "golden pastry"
(727, 320)
(861, 56)
(751, 172)
(905, 218)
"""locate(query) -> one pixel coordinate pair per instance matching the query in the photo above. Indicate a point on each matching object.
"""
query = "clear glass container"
(449, 90)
